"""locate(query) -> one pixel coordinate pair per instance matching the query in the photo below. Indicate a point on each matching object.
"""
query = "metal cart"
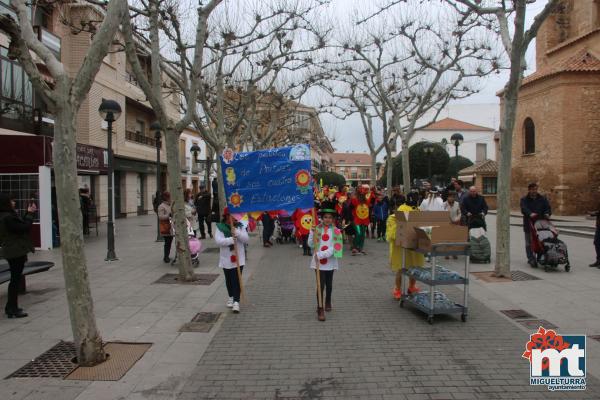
(437, 250)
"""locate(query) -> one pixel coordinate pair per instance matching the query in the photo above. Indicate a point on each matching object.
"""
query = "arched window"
(528, 136)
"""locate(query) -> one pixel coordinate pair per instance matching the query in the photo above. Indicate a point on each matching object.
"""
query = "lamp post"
(110, 111)
(428, 148)
(155, 127)
(456, 140)
(195, 150)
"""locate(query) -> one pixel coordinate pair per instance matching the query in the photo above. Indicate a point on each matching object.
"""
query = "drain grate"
(523, 276)
(145, 225)
(211, 250)
(54, 363)
(121, 357)
(202, 322)
(536, 323)
(517, 314)
(201, 279)
(488, 276)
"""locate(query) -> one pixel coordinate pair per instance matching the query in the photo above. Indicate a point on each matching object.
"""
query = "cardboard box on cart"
(443, 233)
(406, 236)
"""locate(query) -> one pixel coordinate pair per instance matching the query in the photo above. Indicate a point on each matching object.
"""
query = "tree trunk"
(405, 167)
(390, 168)
(88, 342)
(220, 181)
(374, 169)
(186, 271)
(502, 267)
(507, 124)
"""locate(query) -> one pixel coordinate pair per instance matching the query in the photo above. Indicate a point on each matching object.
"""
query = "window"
(25, 188)
(528, 136)
(353, 175)
(140, 127)
(489, 185)
(481, 152)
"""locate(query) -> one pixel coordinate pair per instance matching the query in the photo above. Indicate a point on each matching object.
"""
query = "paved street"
(369, 348)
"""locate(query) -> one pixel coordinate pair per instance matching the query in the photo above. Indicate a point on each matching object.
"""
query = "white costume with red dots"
(330, 245)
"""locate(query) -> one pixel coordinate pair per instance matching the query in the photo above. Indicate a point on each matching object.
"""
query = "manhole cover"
(200, 279)
(202, 322)
(54, 363)
(211, 250)
(517, 314)
(536, 323)
(523, 276)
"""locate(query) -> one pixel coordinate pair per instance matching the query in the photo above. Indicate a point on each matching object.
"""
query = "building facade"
(478, 144)
(355, 167)
(135, 154)
(556, 140)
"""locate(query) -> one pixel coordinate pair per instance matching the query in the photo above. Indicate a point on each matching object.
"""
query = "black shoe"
(18, 313)
(203, 237)
(210, 234)
(596, 264)
(167, 260)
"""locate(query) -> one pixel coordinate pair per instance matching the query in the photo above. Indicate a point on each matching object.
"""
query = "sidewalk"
(128, 307)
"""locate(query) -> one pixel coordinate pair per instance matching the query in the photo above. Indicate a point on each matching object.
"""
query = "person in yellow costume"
(413, 259)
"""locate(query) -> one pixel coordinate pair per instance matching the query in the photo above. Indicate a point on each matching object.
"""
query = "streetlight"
(155, 127)
(457, 140)
(110, 111)
(428, 148)
(194, 150)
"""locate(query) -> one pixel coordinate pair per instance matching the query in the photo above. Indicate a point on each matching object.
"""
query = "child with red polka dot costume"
(327, 241)
(228, 259)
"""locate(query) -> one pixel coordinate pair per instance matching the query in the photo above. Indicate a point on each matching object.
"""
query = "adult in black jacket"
(533, 207)
(203, 208)
(16, 243)
(597, 238)
(474, 208)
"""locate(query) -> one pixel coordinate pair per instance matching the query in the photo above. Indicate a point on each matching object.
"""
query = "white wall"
(466, 149)
(189, 141)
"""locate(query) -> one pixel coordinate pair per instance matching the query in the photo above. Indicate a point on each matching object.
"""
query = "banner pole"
(315, 249)
(237, 259)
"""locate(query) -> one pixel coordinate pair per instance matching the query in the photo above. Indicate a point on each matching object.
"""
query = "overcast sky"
(349, 134)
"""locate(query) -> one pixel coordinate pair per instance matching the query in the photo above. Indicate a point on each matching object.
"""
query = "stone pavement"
(369, 348)
(128, 307)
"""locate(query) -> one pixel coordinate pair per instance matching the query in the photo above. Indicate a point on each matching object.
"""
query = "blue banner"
(268, 180)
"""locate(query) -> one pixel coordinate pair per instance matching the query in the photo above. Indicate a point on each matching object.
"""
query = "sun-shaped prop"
(303, 180)
(236, 199)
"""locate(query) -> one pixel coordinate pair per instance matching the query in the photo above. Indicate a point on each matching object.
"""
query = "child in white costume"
(329, 244)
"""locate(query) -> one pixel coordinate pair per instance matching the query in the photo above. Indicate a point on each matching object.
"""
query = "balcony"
(137, 137)
(50, 40)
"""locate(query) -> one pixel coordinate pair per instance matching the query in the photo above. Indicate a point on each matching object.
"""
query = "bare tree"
(415, 69)
(497, 16)
(249, 48)
(176, 76)
(64, 99)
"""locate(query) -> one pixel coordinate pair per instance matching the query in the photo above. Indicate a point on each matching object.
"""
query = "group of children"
(323, 240)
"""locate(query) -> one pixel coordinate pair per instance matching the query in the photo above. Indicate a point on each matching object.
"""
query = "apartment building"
(26, 126)
(355, 167)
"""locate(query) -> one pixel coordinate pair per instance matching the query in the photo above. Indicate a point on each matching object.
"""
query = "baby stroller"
(285, 229)
(550, 251)
(194, 244)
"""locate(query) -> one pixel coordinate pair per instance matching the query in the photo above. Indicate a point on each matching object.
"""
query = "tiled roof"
(486, 166)
(582, 61)
(351, 158)
(451, 124)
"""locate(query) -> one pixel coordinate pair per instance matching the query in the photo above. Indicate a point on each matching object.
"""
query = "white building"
(478, 144)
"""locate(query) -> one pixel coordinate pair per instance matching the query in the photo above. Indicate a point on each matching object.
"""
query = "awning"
(467, 178)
